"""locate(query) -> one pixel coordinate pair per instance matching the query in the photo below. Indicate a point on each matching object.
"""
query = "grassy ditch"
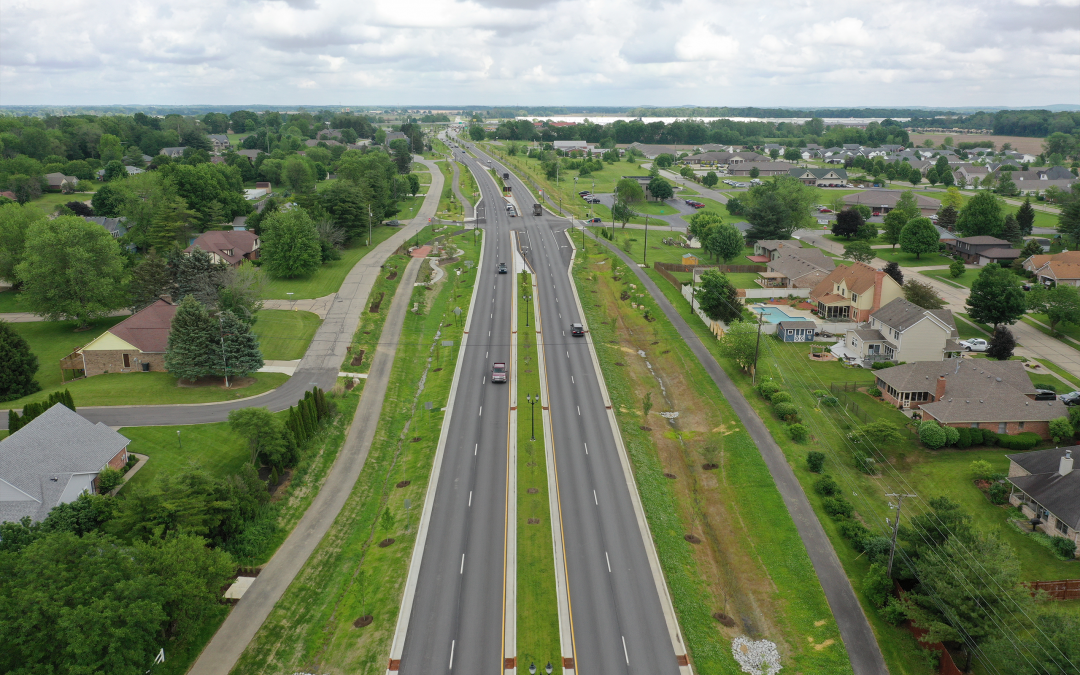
(736, 567)
(537, 605)
(349, 575)
(369, 331)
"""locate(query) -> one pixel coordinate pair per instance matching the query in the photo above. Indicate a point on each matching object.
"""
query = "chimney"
(1065, 467)
(940, 390)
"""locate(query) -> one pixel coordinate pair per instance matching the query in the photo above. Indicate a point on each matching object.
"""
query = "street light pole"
(532, 399)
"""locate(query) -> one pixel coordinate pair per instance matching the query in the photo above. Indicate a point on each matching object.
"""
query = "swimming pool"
(775, 315)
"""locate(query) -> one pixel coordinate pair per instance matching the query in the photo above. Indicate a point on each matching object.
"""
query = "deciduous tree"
(710, 179)
(739, 343)
(922, 295)
(725, 241)
(290, 244)
(996, 297)
(15, 220)
(1001, 344)
(892, 268)
(919, 236)
(660, 189)
(18, 365)
(847, 223)
(982, 215)
(717, 297)
(1062, 305)
(858, 251)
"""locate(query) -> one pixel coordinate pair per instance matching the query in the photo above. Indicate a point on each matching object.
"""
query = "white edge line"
(643, 525)
(510, 542)
(408, 596)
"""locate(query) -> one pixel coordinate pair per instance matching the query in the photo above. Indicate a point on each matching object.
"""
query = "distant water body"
(608, 119)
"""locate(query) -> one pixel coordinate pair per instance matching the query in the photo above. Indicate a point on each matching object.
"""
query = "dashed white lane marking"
(475, 449)
(481, 411)
(462, 570)
(586, 448)
(608, 562)
(572, 380)
(595, 500)
(454, 641)
(625, 653)
(578, 410)
(470, 504)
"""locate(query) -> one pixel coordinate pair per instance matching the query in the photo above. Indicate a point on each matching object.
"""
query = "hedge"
(1024, 441)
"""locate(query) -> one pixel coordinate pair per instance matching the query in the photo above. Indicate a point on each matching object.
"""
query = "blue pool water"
(775, 315)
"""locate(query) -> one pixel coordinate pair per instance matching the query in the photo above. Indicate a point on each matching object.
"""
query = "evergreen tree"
(305, 419)
(320, 397)
(194, 347)
(13, 421)
(18, 365)
(290, 244)
(1011, 232)
(894, 271)
(197, 275)
(242, 354)
(1002, 344)
(1026, 217)
(947, 217)
(150, 279)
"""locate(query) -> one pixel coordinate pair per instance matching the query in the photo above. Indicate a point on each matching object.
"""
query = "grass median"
(314, 627)
(284, 335)
(537, 604)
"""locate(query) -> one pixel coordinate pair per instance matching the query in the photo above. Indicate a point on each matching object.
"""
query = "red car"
(824, 210)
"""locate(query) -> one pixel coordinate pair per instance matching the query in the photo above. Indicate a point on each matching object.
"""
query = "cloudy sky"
(541, 52)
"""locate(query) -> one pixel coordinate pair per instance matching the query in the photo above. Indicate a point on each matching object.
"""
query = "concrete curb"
(510, 524)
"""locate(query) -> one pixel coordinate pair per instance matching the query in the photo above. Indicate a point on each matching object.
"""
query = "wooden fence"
(732, 269)
(1065, 589)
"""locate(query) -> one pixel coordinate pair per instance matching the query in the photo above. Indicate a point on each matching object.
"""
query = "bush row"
(935, 436)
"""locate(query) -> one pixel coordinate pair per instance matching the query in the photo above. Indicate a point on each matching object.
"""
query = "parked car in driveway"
(1072, 398)
(975, 345)
(1045, 395)
(592, 200)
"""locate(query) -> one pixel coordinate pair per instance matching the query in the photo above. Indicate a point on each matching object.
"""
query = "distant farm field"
(1019, 143)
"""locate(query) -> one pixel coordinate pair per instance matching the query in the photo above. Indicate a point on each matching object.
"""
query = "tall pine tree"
(242, 354)
(194, 348)
(17, 365)
(1025, 215)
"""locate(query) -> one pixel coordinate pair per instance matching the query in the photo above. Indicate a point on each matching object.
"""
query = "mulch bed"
(710, 466)
(415, 439)
(724, 619)
(393, 275)
(692, 538)
(363, 621)
(385, 542)
(374, 309)
(644, 428)
(403, 483)
(670, 475)
(358, 359)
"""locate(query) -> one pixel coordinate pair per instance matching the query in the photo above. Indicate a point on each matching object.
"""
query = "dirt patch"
(415, 439)
(670, 475)
(386, 542)
(644, 428)
(1031, 146)
(710, 466)
(363, 621)
(435, 370)
(532, 491)
(692, 538)
(349, 384)
(392, 276)
(534, 521)
(403, 483)
(234, 382)
(448, 261)
(822, 645)
(619, 364)
(358, 359)
(374, 309)
(724, 619)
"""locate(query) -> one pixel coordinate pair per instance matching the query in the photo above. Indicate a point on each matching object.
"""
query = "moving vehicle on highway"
(975, 345)
(537, 210)
(577, 330)
(498, 372)
(501, 268)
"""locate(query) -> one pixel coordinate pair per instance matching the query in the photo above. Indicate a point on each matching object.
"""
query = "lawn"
(329, 277)
(50, 200)
(1067, 329)
(945, 276)
(969, 330)
(285, 335)
(9, 302)
(366, 337)
(214, 447)
(1042, 218)
(1047, 363)
(909, 259)
(877, 241)
(51, 341)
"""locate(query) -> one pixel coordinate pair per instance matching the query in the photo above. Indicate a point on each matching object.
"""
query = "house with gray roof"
(220, 141)
(792, 267)
(976, 393)
(173, 152)
(970, 248)
(902, 331)
(828, 176)
(54, 459)
(117, 227)
(1046, 488)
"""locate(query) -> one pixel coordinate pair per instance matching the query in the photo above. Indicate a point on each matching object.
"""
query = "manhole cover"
(403, 483)
(692, 538)
(363, 621)
(532, 491)
(670, 475)
(710, 466)
(385, 542)
(534, 521)
(724, 619)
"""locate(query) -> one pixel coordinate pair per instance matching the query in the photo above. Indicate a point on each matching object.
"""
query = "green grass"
(909, 259)
(1062, 328)
(285, 335)
(370, 328)
(1042, 218)
(989, 330)
(1047, 363)
(945, 276)
(214, 447)
(51, 341)
(50, 200)
(742, 491)
(9, 302)
(537, 604)
(877, 241)
(313, 621)
(329, 277)
(969, 330)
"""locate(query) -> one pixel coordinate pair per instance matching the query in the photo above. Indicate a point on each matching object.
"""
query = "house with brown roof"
(136, 344)
(901, 331)
(1033, 263)
(1058, 268)
(1002, 255)
(724, 158)
(883, 201)
(970, 248)
(854, 292)
(764, 168)
(976, 393)
(229, 246)
(1045, 487)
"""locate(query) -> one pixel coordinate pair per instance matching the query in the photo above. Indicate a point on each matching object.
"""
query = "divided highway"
(621, 617)
(453, 610)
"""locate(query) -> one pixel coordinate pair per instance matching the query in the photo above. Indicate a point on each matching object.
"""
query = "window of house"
(1001, 427)
(974, 425)
(1021, 426)
(1060, 526)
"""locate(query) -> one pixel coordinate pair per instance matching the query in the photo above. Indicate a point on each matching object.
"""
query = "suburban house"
(883, 201)
(901, 331)
(854, 292)
(220, 141)
(970, 174)
(58, 182)
(1032, 187)
(1045, 487)
(651, 151)
(117, 227)
(395, 135)
(136, 344)
(250, 154)
(827, 176)
(1053, 273)
(764, 168)
(173, 152)
(54, 459)
(722, 158)
(796, 268)
(1035, 262)
(770, 249)
(796, 331)
(1001, 256)
(229, 246)
(976, 393)
(970, 248)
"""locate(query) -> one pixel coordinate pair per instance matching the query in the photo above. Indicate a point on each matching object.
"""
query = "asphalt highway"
(456, 620)
(617, 614)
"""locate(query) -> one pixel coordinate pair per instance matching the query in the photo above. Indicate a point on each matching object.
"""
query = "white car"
(975, 345)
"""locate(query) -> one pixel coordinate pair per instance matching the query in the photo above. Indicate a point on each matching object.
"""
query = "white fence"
(777, 292)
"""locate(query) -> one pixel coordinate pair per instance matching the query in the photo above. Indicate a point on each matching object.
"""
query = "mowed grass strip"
(740, 567)
(284, 335)
(537, 604)
(349, 576)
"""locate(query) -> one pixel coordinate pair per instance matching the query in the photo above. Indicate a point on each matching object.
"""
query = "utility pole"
(896, 526)
(369, 225)
(757, 348)
(614, 202)
(224, 361)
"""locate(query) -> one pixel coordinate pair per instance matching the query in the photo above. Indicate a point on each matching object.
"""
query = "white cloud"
(599, 52)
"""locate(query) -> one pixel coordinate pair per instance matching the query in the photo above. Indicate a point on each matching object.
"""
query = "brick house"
(883, 201)
(970, 248)
(229, 246)
(1045, 486)
(136, 344)
(983, 394)
(854, 292)
(54, 459)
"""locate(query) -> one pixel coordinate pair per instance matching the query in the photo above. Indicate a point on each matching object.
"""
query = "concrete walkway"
(858, 637)
(244, 621)
(319, 306)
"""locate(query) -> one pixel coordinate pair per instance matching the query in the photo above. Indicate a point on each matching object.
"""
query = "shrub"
(781, 397)
(855, 532)
(1060, 429)
(880, 432)
(981, 469)
(881, 365)
(108, 479)
(865, 463)
(931, 434)
(976, 436)
(837, 507)
(876, 585)
(767, 388)
(830, 401)
(965, 438)
(1024, 441)
(826, 486)
(874, 391)
(952, 435)
(998, 493)
(1064, 548)
(877, 549)
(820, 393)
(893, 612)
(798, 432)
(815, 460)
(787, 411)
